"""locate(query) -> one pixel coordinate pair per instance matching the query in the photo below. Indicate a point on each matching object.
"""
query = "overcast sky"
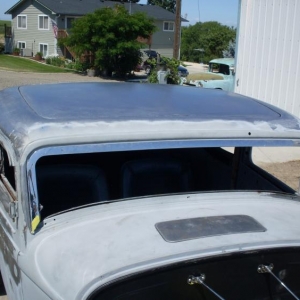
(223, 11)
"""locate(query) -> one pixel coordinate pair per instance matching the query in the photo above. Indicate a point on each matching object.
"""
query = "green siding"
(32, 36)
(162, 41)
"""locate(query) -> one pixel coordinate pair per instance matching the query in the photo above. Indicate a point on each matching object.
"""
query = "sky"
(223, 11)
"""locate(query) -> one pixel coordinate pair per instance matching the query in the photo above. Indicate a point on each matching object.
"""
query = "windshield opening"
(72, 180)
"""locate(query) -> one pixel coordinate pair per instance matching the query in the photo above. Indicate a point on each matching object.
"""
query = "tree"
(111, 36)
(169, 5)
(211, 37)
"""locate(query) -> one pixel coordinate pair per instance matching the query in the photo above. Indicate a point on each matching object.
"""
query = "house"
(36, 24)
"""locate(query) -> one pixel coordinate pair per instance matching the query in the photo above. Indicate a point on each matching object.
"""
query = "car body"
(220, 75)
(140, 191)
(145, 55)
(182, 71)
(151, 53)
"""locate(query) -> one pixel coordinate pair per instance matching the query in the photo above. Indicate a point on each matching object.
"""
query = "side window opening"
(6, 170)
(7, 181)
(219, 68)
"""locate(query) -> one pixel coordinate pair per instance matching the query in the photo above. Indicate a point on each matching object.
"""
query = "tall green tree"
(169, 5)
(211, 37)
(111, 35)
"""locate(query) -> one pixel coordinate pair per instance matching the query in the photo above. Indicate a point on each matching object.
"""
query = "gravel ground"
(10, 78)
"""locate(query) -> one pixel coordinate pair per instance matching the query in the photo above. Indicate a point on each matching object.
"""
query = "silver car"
(140, 191)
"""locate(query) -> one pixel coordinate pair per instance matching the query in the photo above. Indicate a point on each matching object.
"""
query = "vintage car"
(220, 75)
(143, 191)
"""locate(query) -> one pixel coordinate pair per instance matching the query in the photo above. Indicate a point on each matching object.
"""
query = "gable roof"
(83, 7)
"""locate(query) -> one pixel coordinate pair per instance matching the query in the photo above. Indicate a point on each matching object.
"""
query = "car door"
(8, 228)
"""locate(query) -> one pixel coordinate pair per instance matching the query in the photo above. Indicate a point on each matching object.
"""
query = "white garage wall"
(268, 52)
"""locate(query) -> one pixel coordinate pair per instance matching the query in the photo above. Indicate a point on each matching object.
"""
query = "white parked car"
(140, 191)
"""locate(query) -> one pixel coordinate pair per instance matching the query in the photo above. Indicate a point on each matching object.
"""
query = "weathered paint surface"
(44, 115)
(108, 233)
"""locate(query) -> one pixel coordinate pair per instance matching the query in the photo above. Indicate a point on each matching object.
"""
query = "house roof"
(82, 7)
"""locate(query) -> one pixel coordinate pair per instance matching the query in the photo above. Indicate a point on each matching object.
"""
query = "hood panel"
(90, 247)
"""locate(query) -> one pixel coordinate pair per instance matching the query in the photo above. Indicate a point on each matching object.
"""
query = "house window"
(69, 21)
(43, 22)
(22, 22)
(21, 45)
(168, 26)
(44, 49)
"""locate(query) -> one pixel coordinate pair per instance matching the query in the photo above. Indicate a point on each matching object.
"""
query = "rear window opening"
(67, 181)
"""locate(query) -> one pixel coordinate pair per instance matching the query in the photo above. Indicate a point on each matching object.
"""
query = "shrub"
(1, 48)
(169, 64)
(16, 51)
(55, 61)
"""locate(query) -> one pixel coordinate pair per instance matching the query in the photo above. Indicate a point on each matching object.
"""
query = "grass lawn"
(19, 64)
(204, 76)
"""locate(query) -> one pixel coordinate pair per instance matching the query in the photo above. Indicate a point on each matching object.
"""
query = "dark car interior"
(234, 276)
(67, 181)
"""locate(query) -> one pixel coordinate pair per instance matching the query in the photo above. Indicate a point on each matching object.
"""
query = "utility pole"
(177, 30)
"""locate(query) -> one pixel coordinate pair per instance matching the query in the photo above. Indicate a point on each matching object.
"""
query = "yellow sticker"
(35, 222)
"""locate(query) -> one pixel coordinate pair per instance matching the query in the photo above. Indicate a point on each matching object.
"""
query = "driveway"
(195, 67)
(10, 78)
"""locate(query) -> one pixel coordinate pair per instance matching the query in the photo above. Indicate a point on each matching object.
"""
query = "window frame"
(9, 193)
(44, 44)
(73, 18)
(43, 23)
(169, 22)
(130, 146)
(19, 27)
(21, 42)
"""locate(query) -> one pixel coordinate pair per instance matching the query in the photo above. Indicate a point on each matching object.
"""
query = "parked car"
(182, 71)
(145, 55)
(151, 53)
(220, 75)
(138, 191)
